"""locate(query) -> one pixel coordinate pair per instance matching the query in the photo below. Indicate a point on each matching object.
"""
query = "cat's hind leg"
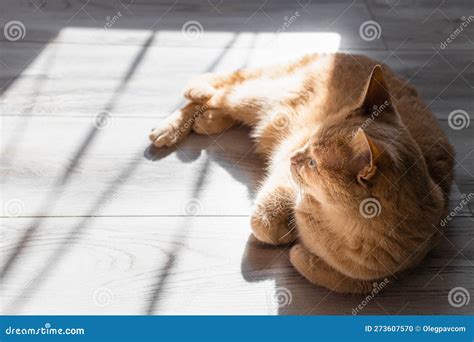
(317, 271)
(213, 121)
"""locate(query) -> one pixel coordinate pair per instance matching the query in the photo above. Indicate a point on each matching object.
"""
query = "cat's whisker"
(288, 233)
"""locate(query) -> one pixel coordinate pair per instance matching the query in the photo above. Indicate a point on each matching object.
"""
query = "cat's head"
(359, 153)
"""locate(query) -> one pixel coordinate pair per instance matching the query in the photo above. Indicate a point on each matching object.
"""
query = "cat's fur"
(359, 172)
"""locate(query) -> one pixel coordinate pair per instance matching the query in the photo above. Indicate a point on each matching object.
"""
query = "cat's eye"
(312, 163)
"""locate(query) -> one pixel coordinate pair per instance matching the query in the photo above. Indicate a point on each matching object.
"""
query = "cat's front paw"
(274, 226)
(164, 135)
(171, 130)
(300, 257)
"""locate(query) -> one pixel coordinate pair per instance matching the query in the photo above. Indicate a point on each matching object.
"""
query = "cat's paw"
(199, 89)
(164, 135)
(318, 272)
(170, 131)
(308, 265)
(300, 257)
(213, 121)
(272, 225)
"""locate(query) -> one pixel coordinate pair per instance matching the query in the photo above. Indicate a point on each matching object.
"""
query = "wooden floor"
(94, 221)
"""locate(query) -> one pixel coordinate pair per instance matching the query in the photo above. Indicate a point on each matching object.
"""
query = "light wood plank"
(199, 265)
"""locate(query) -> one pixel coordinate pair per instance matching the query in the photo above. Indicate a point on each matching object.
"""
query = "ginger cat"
(358, 170)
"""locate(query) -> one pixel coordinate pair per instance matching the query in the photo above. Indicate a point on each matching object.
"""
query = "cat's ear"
(366, 153)
(376, 95)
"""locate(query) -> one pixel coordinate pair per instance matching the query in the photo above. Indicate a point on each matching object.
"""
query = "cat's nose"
(297, 158)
